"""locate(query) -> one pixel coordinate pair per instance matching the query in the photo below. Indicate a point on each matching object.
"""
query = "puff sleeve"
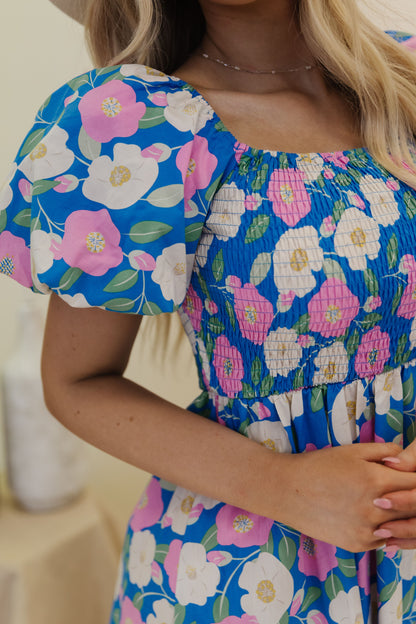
(108, 195)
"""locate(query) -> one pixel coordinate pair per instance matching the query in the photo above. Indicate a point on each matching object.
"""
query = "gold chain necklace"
(254, 71)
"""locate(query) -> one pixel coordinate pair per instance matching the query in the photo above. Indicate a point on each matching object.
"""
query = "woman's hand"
(330, 493)
(401, 503)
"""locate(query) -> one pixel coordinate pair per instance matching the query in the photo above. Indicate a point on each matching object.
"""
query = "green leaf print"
(34, 225)
(408, 390)
(244, 165)
(283, 162)
(42, 186)
(151, 309)
(193, 232)
(117, 76)
(266, 386)
(116, 616)
(312, 594)
(32, 141)
(166, 196)
(3, 220)
(388, 591)
(299, 380)
(154, 116)
(392, 251)
(287, 551)
(333, 586)
(161, 553)
(260, 268)
(410, 202)
(212, 189)
(302, 324)
(248, 392)
(320, 180)
(285, 618)
(260, 178)
(204, 286)
(138, 600)
(257, 228)
(411, 432)
(230, 312)
(77, 82)
(256, 370)
(371, 320)
(122, 281)
(45, 104)
(69, 278)
(342, 179)
(317, 399)
(379, 556)
(395, 420)
(406, 356)
(353, 342)
(119, 305)
(356, 175)
(269, 545)
(220, 126)
(243, 427)
(180, 613)
(347, 566)
(221, 608)
(23, 218)
(209, 541)
(89, 148)
(148, 231)
(218, 266)
(371, 282)
(396, 298)
(358, 158)
(401, 344)
(333, 269)
(408, 599)
(339, 208)
(215, 325)
(209, 346)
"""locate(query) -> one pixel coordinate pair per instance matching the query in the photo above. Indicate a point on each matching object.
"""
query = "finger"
(401, 544)
(403, 501)
(377, 451)
(405, 460)
(404, 529)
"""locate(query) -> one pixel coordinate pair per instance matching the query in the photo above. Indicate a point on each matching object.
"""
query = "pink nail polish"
(383, 503)
(392, 550)
(392, 460)
(383, 533)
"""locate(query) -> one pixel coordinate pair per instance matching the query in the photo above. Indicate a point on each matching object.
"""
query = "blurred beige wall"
(41, 49)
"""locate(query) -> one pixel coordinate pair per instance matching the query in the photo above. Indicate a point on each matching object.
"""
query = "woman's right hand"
(328, 494)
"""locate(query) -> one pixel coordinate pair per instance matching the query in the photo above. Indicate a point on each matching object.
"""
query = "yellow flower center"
(250, 314)
(330, 370)
(179, 268)
(119, 175)
(333, 314)
(269, 443)
(388, 382)
(228, 367)
(358, 237)
(372, 356)
(189, 304)
(187, 504)
(153, 72)
(111, 107)
(351, 409)
(287, 194)
(265, 591)
(142, 557)
(190, 572)
(242, 524)
(95, 242)
(7, 265)
(191, 168)
(298, 259)
(190, 108)
(414, 293)
(38, 152)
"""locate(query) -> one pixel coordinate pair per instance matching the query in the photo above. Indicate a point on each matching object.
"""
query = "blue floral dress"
(295, 279)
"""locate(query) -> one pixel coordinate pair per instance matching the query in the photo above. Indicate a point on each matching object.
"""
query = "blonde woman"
(250, 164)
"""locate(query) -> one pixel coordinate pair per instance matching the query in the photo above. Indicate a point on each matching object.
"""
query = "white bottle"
(46, 464)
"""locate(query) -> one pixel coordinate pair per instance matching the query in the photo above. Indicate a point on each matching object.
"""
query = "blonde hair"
(376, 73)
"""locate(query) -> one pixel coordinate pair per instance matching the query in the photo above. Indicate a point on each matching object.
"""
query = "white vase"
(47, 465)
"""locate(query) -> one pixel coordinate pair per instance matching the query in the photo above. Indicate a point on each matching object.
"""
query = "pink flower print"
(287, 192)
(192, 306)
(252, 202)
(407, 307)
(408, 266)
(261, 410)
(210, 306)
(67, 184)
(232, 282)
(316, 617)
(333, 308)
(239, 150)
(374, 303)
(15, 258)
(410, 43)
(159, 98)
(129, 613)
(329, 225)
(328, 173)
(338, 158)
(316, 558)
(372, 353)
(25, 189)
(287, 298)
(149, 508)
(304, 340)
(241, 528)
(152, 152)
(228, 365)
(111, 111)
(254, 313)
(245, 619)
(91, 242)
(367, 431)
(172, 562)
(141, 260)
(392, 184)
(197, 164)
(297, 601)
(363, 572)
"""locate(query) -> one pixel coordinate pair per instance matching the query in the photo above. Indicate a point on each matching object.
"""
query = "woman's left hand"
(403, 530)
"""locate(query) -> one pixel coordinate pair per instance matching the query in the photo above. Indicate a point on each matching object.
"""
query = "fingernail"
(392, 460)
(392, 550)
(383, 533)
(383, 503)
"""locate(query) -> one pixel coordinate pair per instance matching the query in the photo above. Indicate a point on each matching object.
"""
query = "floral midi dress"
(295, 279)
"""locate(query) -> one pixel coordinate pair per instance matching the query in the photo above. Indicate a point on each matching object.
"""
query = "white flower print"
(289, 405)
(270, 434)
(197, 578)
(387, 386)
(184, 509)
(119, 580)
(173, 272)
(356, 238)
(120, 182)
(144, 72)
(392, 611)
(296, 255)
(332, 364)
(412, 334)
(164, 613)
(187, 112)
(141, 555)
(347, 408)
(383, 206)
(40, 247)
(6, 193)
(270, 588)
(408, 565)
(49, 158)
(204, 244)
(346, 608)
(76, 301)
(311, 165)
(225, 212)
(281, 351)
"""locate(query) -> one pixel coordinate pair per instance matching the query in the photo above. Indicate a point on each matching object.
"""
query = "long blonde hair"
(376, 73)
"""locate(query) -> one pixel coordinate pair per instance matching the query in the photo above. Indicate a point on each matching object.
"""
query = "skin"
(328, 494)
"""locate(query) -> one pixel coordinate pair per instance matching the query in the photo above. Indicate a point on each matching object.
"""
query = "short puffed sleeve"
(108, 195)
